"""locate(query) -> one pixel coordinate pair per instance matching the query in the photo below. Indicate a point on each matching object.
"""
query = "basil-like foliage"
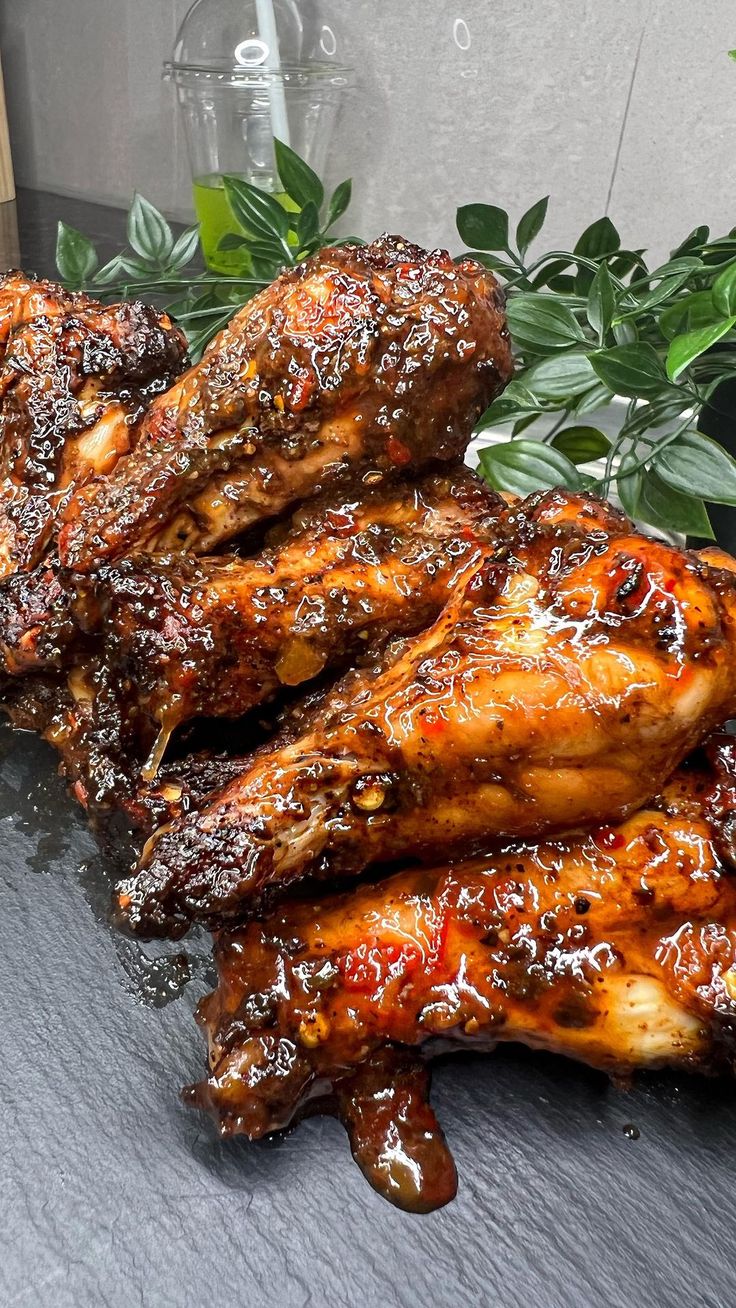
(158, 266)
(595, 323)
(588, 324)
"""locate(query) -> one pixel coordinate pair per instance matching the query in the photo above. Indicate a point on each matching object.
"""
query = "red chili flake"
(670, 585)
(405, 270)
(341, 523)
(468, 533)
(607, 838)
(398, 452)
(80, 793)
(162, 424)
(300, 393)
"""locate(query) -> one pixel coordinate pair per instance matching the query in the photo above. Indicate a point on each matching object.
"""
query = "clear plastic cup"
(247, 71)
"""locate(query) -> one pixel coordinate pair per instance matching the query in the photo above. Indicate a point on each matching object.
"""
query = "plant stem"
(642, 463)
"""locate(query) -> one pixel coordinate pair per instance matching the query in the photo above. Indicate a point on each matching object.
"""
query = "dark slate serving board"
(112, 1194)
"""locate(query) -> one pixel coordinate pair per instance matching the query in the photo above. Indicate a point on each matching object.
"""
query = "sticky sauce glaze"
(563, 682)
(373, 358)
(617, 948)
(75, 378)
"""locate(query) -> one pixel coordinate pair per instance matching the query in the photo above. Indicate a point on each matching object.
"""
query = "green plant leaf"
(562, 284)
(542, 323)
(300, 182)
(339, 201)
(683, 263)
(483, 226)
(625, 333)
(137, 268)
(560, 377)
(257, 211)
(697, 465)
(76, 257)
(597, 242)
(521, 424)
(687, 314)
(185, 248)
(514, 403)
(307, 227)
(693, 241)
(231, 241)
(149, 233)
(671, 510)
(635, 370)
(593, 399)
(685, 349)
(601, 302)
(110, 272)
(550, 271)
(522, 466)
(625, 262)
(724, 291)
(531, 224)
(582, 444)
(648, 300)
(628, 483)
(599, 239)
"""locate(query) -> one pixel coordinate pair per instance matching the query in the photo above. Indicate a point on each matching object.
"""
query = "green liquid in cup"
(217, 220)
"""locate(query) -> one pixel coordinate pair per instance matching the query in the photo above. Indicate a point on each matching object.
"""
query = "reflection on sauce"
(328, 1002)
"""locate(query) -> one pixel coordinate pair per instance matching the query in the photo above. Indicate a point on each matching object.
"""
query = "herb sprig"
(160, 267)
(589, 325)
(593, 324)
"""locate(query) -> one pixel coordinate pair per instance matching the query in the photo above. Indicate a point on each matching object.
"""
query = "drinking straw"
(270, 37)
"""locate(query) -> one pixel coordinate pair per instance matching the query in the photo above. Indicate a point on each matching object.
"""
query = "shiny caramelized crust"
(180, 637)
(23, 297)
(186, 638)
(381, 356)
(617, 948)
(567, 676)
(75, 377)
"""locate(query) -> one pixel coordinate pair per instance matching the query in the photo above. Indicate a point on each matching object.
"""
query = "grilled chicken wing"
(75, 378)
(187, 637)
(23, 297)
(617, 948)
(371, 358)
(182, 637)
(566, 677)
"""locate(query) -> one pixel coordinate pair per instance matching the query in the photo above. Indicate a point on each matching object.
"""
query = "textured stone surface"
(112, 1195)
(628, 107)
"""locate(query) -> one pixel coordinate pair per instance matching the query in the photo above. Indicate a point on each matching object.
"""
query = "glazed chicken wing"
(75, 378)
(186, 637)
(176, 638)
(617, 948)
(566, 677)
(370, 359)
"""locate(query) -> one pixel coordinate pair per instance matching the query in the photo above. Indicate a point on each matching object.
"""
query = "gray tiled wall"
(628, 105)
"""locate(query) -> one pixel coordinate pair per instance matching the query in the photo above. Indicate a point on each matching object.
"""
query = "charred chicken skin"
(338, 572)
(617, 948)
(182, 637)
(515, 682)
(374, 359)
(187, 637)
(75, 378)
(565, 679)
